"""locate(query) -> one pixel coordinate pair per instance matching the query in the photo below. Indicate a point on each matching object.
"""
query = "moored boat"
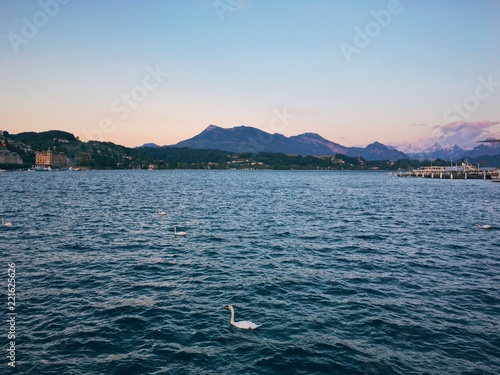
(43, 169)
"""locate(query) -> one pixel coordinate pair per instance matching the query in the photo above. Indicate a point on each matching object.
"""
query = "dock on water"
(465, 171)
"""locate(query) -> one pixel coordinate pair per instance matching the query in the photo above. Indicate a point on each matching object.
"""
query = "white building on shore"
(9, 157)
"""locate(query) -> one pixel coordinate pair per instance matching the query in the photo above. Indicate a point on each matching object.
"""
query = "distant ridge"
(249, 139)
(489, 149)
(377, 151)
(454, 152)
(148, 145)
(311, 143)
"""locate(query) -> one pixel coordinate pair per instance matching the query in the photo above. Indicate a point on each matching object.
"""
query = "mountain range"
(249, 139)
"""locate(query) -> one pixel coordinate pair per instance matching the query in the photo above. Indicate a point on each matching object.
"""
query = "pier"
(464, 172)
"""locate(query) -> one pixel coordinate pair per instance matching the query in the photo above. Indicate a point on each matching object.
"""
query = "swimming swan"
(6, 224)
(179, 233)
(486, 226)
(161, 212)
(243, 324)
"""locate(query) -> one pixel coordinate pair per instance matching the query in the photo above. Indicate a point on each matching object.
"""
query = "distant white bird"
(243, 324)
(179, 233)
(161, 212)
(486, 200)
(6, 224)
(486, 226)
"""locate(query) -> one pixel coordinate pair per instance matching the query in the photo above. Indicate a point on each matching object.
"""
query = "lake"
(348, 272)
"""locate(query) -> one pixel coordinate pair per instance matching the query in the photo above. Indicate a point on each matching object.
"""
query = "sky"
(398, 72)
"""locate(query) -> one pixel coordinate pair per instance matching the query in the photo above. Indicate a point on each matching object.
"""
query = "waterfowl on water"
(179, 233)
(244, 324)
(486, 226)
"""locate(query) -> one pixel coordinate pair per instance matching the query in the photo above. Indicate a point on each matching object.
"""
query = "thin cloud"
(462, 133)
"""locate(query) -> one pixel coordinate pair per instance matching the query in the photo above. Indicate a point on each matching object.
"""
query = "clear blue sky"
(132, 72)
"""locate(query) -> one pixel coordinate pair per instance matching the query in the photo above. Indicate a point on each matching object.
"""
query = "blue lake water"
(348, 273)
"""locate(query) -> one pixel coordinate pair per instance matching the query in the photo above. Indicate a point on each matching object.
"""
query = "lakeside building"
(9, 157)
(60, 140)
(48, 158)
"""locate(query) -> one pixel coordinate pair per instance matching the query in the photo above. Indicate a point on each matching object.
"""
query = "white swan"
(243, 324)
(486, 226)
(179, 233)
(6, 224)
(161, 212)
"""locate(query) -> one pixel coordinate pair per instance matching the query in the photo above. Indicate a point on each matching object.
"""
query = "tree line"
(107, 155)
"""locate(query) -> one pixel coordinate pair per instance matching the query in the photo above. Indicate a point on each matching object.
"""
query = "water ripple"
(348, 273)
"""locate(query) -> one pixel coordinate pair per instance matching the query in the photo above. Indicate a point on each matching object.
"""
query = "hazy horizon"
(396, 72)
(429, 141)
